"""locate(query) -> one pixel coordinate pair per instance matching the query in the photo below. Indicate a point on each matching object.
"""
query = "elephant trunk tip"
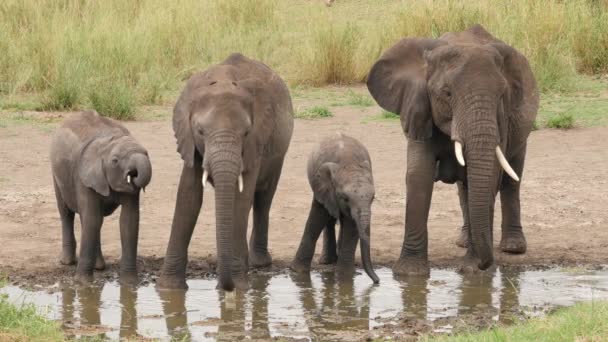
(485, 264)
(227, 285)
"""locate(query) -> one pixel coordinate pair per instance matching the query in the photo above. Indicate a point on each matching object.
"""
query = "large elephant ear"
(181, 122)
(325, 188)
(523, 100)
(398, 82)
(90, 165)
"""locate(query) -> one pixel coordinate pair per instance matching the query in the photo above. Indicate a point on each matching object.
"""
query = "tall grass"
(63, 49)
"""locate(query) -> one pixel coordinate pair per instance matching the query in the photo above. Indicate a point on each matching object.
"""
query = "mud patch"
(294, 307)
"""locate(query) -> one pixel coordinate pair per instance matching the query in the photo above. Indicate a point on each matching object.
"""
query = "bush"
(114, 100)
(562, 120)
(334, 55)
(314, 113)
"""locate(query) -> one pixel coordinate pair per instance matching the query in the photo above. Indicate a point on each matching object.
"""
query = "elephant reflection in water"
(339, 313)
(232, 324)
(477, 290)
(414, 295)
(89, 300)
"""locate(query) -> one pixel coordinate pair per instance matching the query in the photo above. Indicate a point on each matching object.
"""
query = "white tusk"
(505, 164)
(129, 179)
(241, 182)
(205, 176)
(458, 150)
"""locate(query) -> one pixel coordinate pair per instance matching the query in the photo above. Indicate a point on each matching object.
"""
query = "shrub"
(114, 100)
(334, 55)
(562, 120)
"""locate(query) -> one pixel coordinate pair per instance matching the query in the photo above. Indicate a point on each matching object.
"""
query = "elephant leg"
(349, 237)
(91, 220)
(463, 238)
(329, 255)
(100, 262)
(421, 163)
(187, 208)
(513, 239)
(258, 243)
(68, 240)
(317, 220)
(129, 234)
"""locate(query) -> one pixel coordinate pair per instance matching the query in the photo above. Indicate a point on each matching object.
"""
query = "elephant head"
(468, 86)
(116, 162)
(349, 191)
(214, 120)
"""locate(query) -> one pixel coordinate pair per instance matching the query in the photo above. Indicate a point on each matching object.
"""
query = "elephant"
(340, 175)
(465, 101)
(97, 166)
(233, 123)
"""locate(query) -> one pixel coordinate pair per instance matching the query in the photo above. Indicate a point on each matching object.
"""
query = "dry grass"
(66, 50)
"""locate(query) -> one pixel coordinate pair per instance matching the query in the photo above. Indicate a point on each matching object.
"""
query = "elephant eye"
(446, 92)
(114, 160)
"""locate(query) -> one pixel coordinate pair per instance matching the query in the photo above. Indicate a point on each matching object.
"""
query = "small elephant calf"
(97, 165)
(340, 175)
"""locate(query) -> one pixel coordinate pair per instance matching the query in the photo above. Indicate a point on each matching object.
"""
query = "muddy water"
(314, 306)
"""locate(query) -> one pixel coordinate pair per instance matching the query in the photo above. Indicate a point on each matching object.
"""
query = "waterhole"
(314, 306)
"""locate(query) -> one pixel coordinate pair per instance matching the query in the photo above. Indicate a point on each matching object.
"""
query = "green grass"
(315, 112)
(360, 100)
(46, 124)
(23, 323)
(66, 51)
(582, 322)
(382, 116)
(562, 120)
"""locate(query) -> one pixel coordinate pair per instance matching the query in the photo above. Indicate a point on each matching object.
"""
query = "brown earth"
(564, 198)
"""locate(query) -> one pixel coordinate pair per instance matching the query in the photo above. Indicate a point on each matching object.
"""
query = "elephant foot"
(412, 266)
(68, 259)
(470, 265)
(299, 267)
(100, 263)
(166, 282)
(259, 259)
(463, 238)
(513, 242)
(84, 278)
(328, 259)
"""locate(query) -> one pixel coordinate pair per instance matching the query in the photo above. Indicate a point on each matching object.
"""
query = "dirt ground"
(564, 198)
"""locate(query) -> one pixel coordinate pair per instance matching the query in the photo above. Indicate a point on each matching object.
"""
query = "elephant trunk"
(363, 225)
(480, 139)
(224, 162)
(140, 170)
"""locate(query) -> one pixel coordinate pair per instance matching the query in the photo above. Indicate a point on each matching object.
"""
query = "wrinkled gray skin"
(465, 87)
(233, 119)
(97, 166)
(340, 175)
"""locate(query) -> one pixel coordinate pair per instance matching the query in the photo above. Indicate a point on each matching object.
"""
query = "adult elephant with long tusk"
(467, 103)
(233, 123)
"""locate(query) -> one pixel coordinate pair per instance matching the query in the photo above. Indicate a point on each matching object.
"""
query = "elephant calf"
(97, 165)
(340, 175)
